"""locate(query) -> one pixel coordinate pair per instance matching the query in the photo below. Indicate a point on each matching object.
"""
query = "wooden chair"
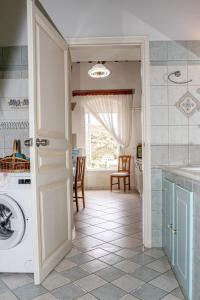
(78, 183)
(124, 164)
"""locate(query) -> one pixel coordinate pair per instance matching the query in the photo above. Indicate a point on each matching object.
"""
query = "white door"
(49, 69)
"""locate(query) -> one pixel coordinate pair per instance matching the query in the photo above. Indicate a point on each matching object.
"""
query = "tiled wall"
(175, 137)
(195, 187)
(13, 89)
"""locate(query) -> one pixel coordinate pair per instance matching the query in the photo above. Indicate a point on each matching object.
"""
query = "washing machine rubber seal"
(12, 222)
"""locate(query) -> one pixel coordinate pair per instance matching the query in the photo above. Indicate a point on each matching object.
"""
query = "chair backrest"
(80, 168)
(124, 163)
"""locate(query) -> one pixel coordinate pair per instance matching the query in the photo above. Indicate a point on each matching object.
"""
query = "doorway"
(97, 45)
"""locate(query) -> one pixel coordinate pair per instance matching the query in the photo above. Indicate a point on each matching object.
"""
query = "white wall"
(125, 75)
(158, 19)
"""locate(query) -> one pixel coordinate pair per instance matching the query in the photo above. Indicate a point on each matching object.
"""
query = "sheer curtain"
(114, 112)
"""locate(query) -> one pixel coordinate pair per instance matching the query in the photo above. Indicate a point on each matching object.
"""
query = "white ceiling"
(107, 53)
(159, 19)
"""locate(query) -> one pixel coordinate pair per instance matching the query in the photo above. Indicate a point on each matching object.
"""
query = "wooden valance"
(102, 92)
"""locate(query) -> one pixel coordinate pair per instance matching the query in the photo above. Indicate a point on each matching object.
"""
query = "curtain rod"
(102, 92)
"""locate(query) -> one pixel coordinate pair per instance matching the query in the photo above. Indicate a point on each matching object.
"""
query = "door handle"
(42, 142)
(169, 226)
(174, 231)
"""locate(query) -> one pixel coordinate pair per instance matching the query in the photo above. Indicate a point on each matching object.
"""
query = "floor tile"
(81, 258)
(91, 230)
(109, 225)
(94, 266)
(170, 297)
(55, 280)
(161, 265)
(87, 242)
(65, 264)
(90, 282)
(110, 247)
(109, 274)
(16, 280)
(128, 297)
(126, 253)
(87, 297)
(178, 293)
(29, 291)
(155, 252)
(8, 296)
(46, 296)
(108, 236)
(128, 283)
(127, 266)
(111, 258)
(3, 287)
(149, 292)
(142, 259)
(75, 273)
(127, 242)
(68, 292)
(108, 292)
(73, 252)
(145, 274)
(96, 253)
(166, 283)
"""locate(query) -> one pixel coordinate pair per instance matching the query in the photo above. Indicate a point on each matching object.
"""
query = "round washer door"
(12, 223)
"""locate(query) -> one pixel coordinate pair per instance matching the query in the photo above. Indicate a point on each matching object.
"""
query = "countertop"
(192, 172)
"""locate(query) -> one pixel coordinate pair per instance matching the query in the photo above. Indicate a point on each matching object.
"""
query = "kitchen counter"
(192, 172)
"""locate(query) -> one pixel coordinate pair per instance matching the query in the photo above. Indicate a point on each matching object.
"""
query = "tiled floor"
(107, 261)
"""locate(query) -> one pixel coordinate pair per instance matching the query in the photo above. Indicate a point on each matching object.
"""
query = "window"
(101, 150)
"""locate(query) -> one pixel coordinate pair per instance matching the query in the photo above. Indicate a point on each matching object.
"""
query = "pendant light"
(99, 71)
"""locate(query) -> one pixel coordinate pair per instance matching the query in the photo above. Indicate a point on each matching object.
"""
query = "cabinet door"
(168, 218)
(183, 238)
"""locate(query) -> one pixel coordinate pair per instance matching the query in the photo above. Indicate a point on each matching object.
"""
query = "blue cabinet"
(178, 232)
(183, 240)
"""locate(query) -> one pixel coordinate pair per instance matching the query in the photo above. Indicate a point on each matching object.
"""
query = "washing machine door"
(12, 222)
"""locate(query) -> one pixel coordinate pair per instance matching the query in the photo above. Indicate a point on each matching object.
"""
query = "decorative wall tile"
(188, 104)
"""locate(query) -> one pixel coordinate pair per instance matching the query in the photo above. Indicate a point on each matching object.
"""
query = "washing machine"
(16, 243)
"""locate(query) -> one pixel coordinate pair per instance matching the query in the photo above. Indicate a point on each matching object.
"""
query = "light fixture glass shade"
(99, 71)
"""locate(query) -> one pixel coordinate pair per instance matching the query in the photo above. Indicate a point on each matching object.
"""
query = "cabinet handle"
(169, 226)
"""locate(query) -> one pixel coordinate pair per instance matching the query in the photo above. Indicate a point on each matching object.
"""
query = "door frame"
(143, 42)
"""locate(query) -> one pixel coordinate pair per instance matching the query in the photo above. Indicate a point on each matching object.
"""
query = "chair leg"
(111, 183)
(118, 183)
(76, 199)
(129, 182)
(83, 195)
(124, 184)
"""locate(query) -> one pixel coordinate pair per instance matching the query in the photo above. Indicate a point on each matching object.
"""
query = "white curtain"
(114, 112)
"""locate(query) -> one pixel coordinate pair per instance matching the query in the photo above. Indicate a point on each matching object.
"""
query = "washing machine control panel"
(24, 181)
